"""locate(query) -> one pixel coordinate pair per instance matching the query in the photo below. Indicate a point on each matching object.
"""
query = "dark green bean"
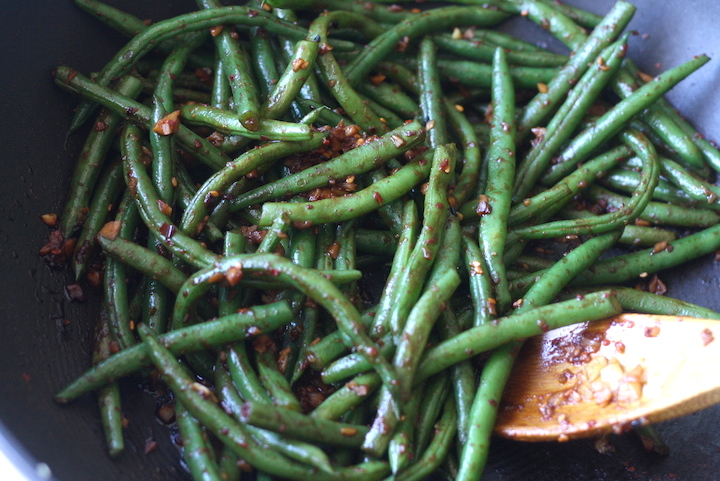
(231, 433)
(91, 159)
(492, 233)
(515, 326)
(367, 156)
(197, 452)
(543, 104)
(612, 122)
(246, 323)
(299, 426)
(417, 25)
(338, 209)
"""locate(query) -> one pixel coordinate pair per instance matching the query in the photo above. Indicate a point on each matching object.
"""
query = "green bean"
(338, 209)
(636, 235)
(115, 287)
(91, 159)
(417, 328)
(607, 222)
(347, 397)
(149, 263)
(334, 78)
(228, 465)
(297, 450)
(515, 326)
(555, 21)
(414, 26)
(401, 448)
(145, 195)
(277, 386)
(568, 117)
(462, 376)
(197, 451)
(229, 123)
(630, 266)
(392, 96)
(546, 203)
(611, 122)
(481, 288)
(425, 250)
(434, 396)
(476, 50)
(641, 301)
(71, 80)
(439, 446)
(365, 157)
(544, 102)
(381, 242)
(145, 41)
(624, 180)
(662, 125)
(303, 427)
(581, 17)
(117, 19)
(473, 74)
(232, 434)
(109, 395)
(656, 212)
(163, 168)
(292, 80)
(433, 110)
(699, 190)
(305, 280)
(221, 181)
(104, 198)
(492, 233)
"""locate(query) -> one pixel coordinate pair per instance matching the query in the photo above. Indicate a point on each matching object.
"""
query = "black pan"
(45, 338)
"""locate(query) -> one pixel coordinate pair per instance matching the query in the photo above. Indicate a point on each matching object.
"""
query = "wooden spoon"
(593, 378)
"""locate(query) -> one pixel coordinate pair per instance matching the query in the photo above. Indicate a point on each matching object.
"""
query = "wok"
(44, 341)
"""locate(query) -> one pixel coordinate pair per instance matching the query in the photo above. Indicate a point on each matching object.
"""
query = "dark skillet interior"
(45, 338)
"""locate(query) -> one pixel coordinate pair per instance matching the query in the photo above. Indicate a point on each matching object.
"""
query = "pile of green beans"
(329, 225)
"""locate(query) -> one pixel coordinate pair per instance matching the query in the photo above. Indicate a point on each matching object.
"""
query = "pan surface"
(45, 337)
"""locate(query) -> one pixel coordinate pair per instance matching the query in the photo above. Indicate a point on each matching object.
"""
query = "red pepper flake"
(284, 359)
(100, 126)
(483, 207)
(168, 125)
(348, 431)
(377, 79)
(252, 13)
(49, 220)
(402, 45)
(164, 207)
(333, 250)
(492, 306)
(234, 274)
(652, 331)
(544, 327)
(397, 141)
(324, 48)
(300, 64)
(215, 278)
(707, 336)
(110, 230)
(359, 389)
(71, 76)
(167, 230)
(378, 198)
